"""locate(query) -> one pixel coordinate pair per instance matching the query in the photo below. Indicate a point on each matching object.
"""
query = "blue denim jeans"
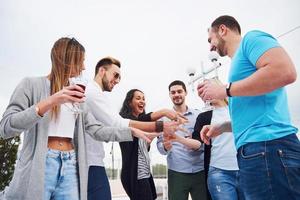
(270, 169)
(98, 185)
(223, 184)
(61, 176)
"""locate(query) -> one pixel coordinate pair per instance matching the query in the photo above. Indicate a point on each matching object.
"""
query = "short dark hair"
(177, 82)
(104, 62)
(228, 21)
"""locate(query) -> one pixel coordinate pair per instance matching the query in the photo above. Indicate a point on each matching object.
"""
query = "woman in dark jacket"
(136, 174)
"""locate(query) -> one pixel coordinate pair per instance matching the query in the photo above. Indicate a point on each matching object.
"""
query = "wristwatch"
(228, 86)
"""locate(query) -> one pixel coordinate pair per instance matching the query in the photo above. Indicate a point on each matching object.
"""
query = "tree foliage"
(159, 171)
(8, 155)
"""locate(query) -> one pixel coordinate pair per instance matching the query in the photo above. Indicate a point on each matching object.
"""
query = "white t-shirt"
(101, 109)
(223, 151)
(64, 125)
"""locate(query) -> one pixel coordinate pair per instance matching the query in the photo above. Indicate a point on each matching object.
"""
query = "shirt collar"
(187, 112)
(97, 86)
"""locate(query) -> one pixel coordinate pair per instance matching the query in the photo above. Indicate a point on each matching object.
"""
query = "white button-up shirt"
(180, 158)
(101, 109)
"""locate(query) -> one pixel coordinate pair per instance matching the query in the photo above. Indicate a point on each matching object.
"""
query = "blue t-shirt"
(257, 118)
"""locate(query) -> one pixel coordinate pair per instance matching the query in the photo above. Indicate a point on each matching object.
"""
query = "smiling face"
(108, 76)
(111, 77)
(177, 94)
(217, 43)
(137, 103)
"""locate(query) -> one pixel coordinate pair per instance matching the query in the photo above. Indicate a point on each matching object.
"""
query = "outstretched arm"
(171, 114)
(190, 143)
(275, 69)
(210, 131)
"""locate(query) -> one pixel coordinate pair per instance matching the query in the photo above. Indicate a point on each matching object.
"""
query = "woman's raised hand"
(71, 94)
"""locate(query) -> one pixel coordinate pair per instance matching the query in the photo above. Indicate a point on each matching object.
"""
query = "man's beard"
(221, 47)
(178, 103)
(105, 84)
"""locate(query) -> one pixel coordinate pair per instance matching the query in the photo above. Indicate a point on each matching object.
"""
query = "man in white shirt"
(107, 75)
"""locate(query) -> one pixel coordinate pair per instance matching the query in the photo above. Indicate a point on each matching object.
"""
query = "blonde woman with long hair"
(52, 162)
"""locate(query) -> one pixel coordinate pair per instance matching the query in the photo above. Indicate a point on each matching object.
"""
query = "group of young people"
(244, 149)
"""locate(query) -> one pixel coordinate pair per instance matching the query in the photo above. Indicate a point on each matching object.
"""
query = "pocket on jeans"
(251, 153)
(289, 158)
(291, 163)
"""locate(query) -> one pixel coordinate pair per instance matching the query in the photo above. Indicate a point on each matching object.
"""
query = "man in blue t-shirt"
(268, 148)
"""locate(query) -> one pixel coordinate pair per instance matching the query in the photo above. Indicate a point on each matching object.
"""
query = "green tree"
(159, 171)
(8, 155)
(111, 174)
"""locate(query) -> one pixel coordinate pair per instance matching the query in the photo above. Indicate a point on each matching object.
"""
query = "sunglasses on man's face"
(117, 75)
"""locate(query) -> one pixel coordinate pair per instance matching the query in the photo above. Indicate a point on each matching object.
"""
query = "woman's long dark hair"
(126, 110)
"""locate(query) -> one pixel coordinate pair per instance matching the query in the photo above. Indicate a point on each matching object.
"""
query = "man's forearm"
(259, 83)
(158, 114)
(275, 70)
(191, 143)
(145, 126)
(225, 127)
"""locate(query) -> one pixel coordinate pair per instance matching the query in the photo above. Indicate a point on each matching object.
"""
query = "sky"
(156, 41)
